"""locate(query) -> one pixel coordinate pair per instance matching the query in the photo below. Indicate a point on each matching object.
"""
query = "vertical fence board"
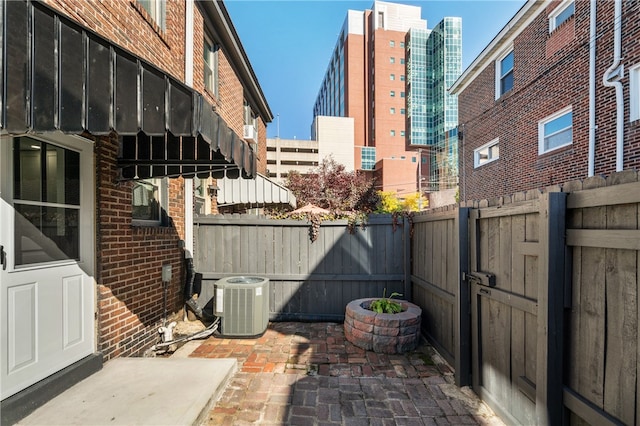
(592, 314)
(621, 328)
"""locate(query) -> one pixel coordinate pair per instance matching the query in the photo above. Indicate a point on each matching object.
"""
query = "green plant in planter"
(386, 305)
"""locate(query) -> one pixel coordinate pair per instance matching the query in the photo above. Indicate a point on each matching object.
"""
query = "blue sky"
(289, 43)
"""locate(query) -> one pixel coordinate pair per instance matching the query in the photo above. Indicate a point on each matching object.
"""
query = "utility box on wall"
(242, 303)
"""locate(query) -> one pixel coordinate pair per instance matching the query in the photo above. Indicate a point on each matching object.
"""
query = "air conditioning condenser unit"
(242, 303)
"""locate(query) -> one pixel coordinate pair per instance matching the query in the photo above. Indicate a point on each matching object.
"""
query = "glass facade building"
(434, 63)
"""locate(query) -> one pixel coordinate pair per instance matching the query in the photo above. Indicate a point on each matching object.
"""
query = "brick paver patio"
(309, 374)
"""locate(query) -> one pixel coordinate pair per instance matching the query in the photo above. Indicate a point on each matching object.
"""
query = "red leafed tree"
(333, 188)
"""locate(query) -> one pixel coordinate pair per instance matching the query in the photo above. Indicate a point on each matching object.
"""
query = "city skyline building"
(390, 73)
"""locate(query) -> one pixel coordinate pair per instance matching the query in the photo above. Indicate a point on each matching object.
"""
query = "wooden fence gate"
(516, 281)
(511, 260)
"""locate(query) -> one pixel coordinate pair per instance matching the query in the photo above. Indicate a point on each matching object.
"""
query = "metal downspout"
(188, 77)
(611, 78)
(592, 88)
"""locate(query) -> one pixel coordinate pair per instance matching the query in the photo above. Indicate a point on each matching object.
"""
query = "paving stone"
(409, 421)
(461, 420)
(447, 409)
(328, 396)
(308, 374)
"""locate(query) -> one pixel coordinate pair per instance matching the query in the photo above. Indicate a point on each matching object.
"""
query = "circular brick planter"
(385, 333)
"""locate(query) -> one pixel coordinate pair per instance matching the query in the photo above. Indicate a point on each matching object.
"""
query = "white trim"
(188, 44)
(557, 11)
(546, 120)
(161, 184)
(490, 159)
(634, 93)
(211, 65)
(188, 216)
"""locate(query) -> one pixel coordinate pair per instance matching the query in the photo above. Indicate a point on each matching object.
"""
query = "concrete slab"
(140, 391)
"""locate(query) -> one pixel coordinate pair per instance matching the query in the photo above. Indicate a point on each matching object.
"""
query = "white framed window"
(402, 61)
(156, 10)
(392, 43)
(392, 132)
(555, 131)
(486, 153)
(504, 73)
(392, 110)
(634, 88)
(392, 93)
(560, 14)
(392, 60)
(401, 77)
(210, 66)
(250, 117)
(148, 201)
(392, 77)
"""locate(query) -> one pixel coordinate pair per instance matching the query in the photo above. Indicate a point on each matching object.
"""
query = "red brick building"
(540, 106)
(116, 118)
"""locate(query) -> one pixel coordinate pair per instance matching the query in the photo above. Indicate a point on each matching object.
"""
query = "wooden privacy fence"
(534, 299)
(308, 280)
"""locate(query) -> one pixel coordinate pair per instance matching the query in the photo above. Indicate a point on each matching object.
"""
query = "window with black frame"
(46, 200)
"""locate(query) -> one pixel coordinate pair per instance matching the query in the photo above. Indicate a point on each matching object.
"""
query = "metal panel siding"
(234, 155)
(99, 87)
(206, 119)
(188, 153)
(72, 65)
(44, 73)
(153, 102)
(203, 152)
(180, 114)
(16, 66)
(173, 153)
(126, 114)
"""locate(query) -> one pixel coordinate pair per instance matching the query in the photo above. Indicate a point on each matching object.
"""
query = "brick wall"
(130, 289)
(550, 73)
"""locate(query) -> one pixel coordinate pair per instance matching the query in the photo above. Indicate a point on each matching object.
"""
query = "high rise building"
(390, 73)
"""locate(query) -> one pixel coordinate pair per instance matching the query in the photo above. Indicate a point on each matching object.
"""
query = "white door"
(47, 228)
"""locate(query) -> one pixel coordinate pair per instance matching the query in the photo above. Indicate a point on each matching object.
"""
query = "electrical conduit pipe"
(611, 78)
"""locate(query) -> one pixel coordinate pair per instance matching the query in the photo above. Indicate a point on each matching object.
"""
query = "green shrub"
(386, 305)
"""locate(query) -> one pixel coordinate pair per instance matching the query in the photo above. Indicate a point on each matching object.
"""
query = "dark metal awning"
(59, 76)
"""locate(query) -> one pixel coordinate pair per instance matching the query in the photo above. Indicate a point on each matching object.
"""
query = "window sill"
(152, 23)
(480, 166)
(139, 223)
